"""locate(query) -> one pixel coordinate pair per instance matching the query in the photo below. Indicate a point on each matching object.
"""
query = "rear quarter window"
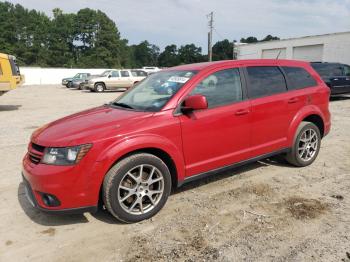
(298, 78)
(265, 81)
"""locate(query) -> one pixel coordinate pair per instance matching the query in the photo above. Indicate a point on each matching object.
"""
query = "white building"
(319, 48)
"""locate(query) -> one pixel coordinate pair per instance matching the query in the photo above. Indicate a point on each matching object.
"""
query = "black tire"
(117, 174)
(69, 84)
(294, 157)
(99, 87)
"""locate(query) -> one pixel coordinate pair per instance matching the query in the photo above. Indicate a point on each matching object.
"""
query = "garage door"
(274, 53)
(311, 53)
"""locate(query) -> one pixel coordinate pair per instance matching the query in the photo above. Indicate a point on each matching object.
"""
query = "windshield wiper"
(122, 105)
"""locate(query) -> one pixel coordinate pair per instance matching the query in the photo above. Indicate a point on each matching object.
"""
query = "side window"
(115, 74)
(124, 73)
(221, 88)
(346, 70)
(265, 81)
(337, 71)
(298, 78)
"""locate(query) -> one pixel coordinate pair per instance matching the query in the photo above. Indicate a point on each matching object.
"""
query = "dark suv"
(336, 76)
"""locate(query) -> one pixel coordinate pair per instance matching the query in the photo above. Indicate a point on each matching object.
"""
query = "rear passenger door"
(125, 79)
(300, 91)
(267, 90)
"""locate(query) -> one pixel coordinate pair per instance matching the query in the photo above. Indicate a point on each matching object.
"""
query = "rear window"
(298, 78)
(265, 81)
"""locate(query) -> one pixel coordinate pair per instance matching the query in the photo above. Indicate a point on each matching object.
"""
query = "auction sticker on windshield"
(178, 79)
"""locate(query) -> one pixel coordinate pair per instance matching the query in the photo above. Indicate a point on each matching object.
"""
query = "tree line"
(89, 39)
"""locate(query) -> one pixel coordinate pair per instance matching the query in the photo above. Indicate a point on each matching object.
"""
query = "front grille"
(38, 148)
(35, 152)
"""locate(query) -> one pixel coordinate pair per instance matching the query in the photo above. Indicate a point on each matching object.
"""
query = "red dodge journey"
(178, 125)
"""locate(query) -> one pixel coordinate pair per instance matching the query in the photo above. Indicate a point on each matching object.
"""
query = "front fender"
(129, 144)
(299, 117)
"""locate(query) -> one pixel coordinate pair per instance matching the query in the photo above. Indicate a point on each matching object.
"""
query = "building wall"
(51, 76)
(336, 47)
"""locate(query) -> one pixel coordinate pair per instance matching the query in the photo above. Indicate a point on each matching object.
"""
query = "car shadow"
(339, 98)
(106, 91)
(272, 161)
(9, 107)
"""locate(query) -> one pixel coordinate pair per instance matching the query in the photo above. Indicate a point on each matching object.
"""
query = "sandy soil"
(266, 211)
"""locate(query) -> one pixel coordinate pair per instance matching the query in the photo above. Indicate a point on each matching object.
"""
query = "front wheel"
(99, 87)
(306, 147)
(136, 188)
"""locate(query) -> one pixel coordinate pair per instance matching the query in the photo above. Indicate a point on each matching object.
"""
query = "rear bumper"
(338, 90)
(67, 211)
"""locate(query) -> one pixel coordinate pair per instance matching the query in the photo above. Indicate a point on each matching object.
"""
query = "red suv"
(176, 126)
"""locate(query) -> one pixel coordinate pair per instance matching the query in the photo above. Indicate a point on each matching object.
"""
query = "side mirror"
(195, 102)
(109, 76)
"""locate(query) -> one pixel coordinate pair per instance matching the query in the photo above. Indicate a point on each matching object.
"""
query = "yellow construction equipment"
(10, 76)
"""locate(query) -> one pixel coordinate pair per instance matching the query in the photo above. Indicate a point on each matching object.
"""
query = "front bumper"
(73, 186)
(68, 211)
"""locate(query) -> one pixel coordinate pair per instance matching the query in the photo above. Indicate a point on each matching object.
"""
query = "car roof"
(206, 65)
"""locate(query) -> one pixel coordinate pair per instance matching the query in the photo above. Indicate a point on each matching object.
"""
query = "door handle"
(293, 100)
(242, 112)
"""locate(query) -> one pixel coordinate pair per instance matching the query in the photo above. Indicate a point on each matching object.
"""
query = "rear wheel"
(137, 187)
(306, 147)
(99, 87)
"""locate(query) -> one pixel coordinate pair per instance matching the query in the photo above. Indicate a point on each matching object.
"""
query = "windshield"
(155, 91)
(14, 67)
(105, 73)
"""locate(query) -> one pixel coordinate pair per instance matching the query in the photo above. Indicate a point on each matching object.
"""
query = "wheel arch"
(309, 114)
(154, 145)
(100, 82)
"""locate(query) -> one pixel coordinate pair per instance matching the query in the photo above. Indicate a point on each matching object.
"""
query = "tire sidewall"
(301, 130)
(97, 87)
(115, 176)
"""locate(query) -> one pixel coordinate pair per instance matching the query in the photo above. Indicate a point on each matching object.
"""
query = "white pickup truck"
(115, 79)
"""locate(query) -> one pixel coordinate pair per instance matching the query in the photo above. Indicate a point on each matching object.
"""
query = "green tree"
(249, 40)
(222, 50)
(190, 54)
(269, 38)
(169, 57)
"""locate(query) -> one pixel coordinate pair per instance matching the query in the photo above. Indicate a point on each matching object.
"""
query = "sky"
(180, 22)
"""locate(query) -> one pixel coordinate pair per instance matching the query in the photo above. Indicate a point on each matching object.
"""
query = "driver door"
(220, 135)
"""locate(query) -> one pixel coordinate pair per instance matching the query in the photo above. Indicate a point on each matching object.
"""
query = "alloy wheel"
(308, 144)
(141, 189)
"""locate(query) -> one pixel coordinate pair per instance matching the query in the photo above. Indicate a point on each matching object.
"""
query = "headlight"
(64, 156)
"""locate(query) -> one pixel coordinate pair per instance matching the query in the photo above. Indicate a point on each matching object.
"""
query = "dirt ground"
(266, 211)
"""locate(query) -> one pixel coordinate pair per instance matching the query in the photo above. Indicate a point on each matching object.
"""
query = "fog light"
(50, 200)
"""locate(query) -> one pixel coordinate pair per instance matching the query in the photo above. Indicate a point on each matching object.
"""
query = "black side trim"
(68, 211)
(235, 165)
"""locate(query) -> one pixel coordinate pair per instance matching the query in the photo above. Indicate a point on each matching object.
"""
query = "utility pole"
(234, 50)
(210, 35)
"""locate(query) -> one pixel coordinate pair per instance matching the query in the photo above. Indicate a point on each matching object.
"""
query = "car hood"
(89, 126)
(68, 78)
